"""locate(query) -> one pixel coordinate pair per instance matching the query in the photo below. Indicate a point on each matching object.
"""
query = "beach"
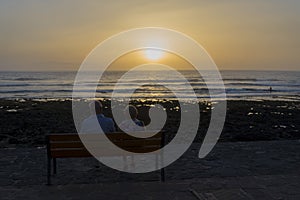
(24, 123)
(256, 157)
(200, 100)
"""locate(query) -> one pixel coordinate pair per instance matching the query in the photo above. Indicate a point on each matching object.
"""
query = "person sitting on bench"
(127, 125)
(106, 123)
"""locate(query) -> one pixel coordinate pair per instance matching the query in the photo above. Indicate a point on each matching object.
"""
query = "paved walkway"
(252, 170)
(250, 188)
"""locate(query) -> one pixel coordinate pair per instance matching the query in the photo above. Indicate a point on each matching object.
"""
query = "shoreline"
(287, 98)
(27, 122)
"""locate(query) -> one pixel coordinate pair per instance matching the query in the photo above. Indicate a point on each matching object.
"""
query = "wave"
(263, 84)
(33, 91)
(34, 85)
(14, 85)
(28, 79)
(249, 79)
(241, 84)
(193, 84)
(239, 79)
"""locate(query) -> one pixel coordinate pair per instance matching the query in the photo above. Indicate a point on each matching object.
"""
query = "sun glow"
(153, 54)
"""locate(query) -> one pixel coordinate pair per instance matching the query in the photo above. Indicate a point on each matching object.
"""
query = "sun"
(153, 54)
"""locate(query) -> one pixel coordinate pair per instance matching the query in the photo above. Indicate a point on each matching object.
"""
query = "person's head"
(96, 106)
(133, 112)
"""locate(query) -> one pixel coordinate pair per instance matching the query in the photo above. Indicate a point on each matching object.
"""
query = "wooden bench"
(71, 146)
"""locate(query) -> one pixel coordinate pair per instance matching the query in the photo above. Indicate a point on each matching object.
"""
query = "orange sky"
(239, 34)
(139, 57)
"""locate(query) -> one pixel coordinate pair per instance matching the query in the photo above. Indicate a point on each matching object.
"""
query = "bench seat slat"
(92, 137)
(66, 145)
(70, 153)
(122, 144)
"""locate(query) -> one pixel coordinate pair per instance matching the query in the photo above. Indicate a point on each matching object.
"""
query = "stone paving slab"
(28, 166)
(203, 189)
(243, 170)
(251, 187)
(109, 191)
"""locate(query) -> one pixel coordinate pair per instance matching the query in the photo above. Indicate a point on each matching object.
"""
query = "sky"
(238, 34)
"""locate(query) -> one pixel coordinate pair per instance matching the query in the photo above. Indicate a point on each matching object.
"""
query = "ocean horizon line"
(221, 70)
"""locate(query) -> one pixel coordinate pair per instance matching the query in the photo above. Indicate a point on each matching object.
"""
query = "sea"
(239, 85)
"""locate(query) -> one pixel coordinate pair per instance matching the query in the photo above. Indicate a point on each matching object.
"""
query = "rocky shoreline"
(25, 123)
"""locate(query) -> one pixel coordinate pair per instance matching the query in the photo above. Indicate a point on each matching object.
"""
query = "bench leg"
(54, 166)
(162, 170)
(162, 175)
(125, 166)
(49, 171)
(156, 161)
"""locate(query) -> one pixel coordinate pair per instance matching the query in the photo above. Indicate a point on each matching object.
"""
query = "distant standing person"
(127, 125)
(271, 89)
(106, 123)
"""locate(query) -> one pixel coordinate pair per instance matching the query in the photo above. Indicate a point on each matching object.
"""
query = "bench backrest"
(70, 145)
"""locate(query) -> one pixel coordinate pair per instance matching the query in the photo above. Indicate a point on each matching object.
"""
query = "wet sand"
(25, 123)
